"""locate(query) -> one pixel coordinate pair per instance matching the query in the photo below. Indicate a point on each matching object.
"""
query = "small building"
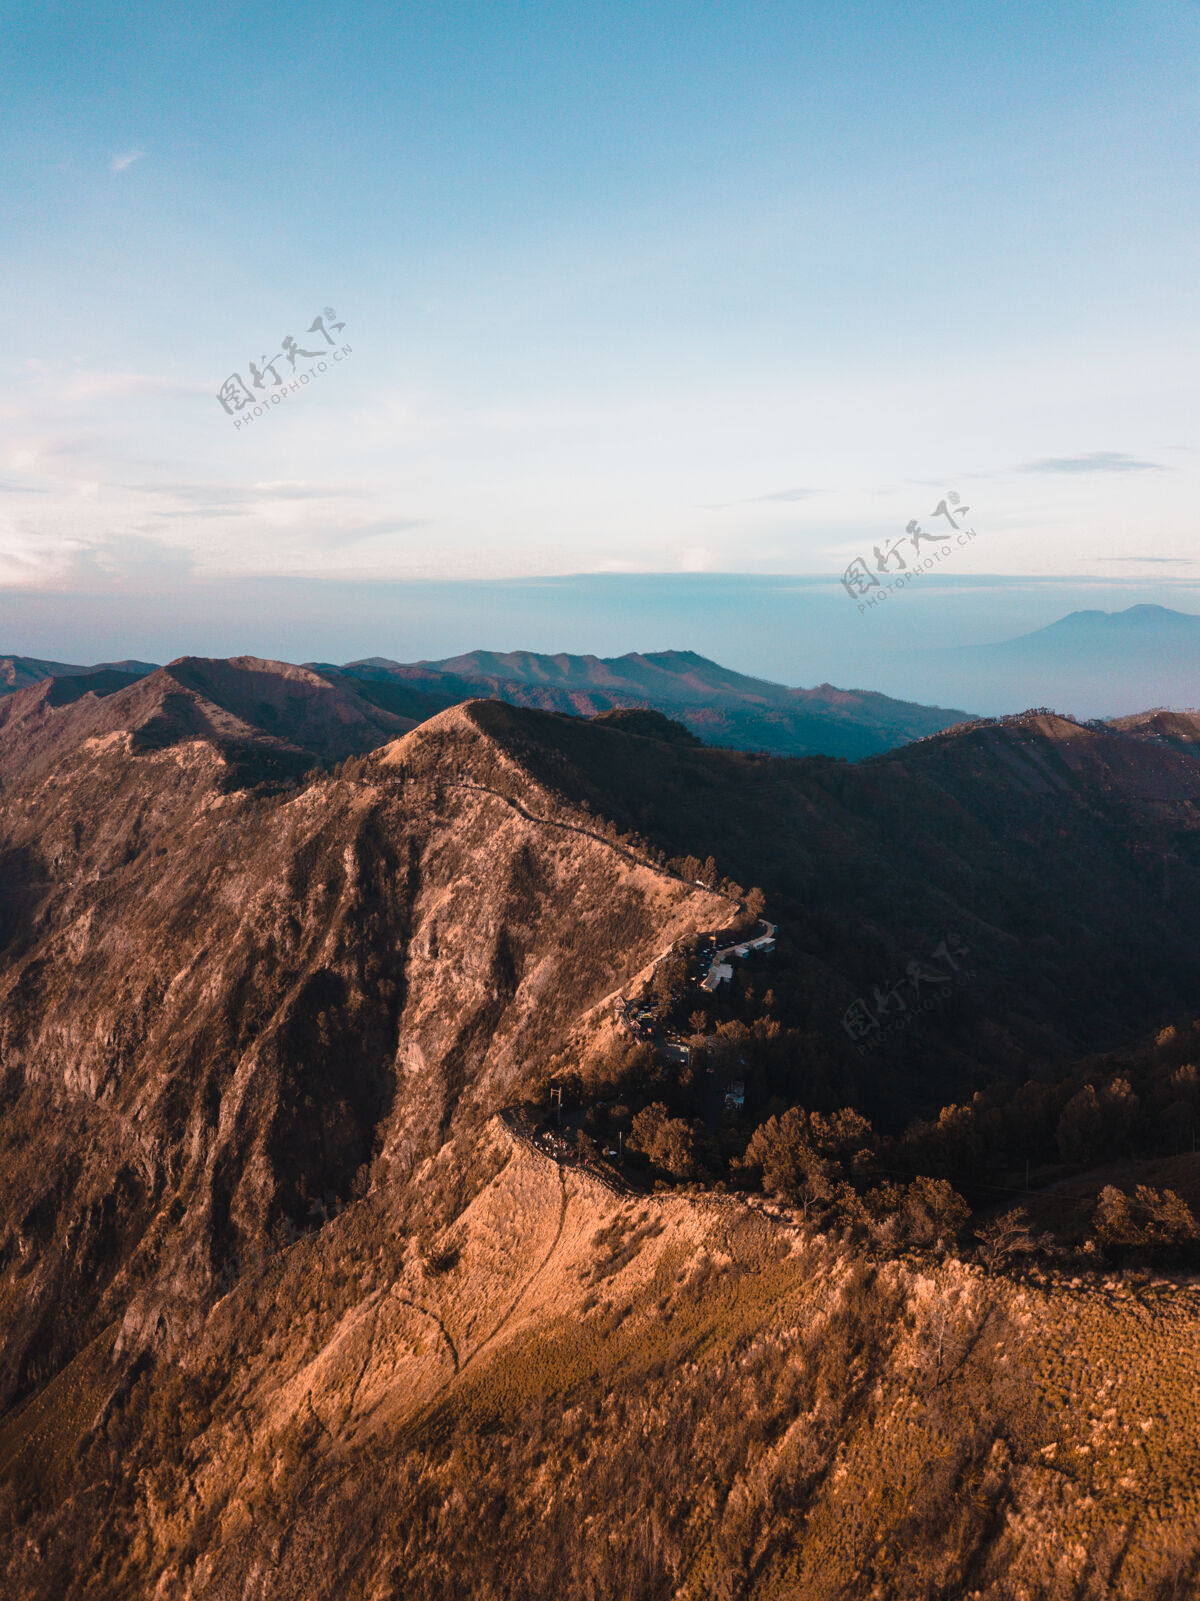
(717, 974)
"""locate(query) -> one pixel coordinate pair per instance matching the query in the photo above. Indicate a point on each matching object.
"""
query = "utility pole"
(557, 1089)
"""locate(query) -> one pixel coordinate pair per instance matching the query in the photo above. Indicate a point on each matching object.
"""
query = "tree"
(1001, 1238)
(842, 1134)
(1119, 1110)
(669, 979)
(1154, 1221)
(1168, 1218)
(777, 1151)
(614, 1062)
(665, 1141)
(933, 1212)
(1078, 1132)
(952, 1325)
(883, 1206)
(790, 1163)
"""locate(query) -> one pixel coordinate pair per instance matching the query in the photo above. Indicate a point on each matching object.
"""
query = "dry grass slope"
(568, 1393)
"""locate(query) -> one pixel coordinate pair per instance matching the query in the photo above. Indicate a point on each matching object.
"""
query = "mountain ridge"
(721, 706)
(718, 704)
(276, 1277)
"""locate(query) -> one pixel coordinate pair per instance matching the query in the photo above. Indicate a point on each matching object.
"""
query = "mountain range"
(720, 706)
(1087, 664)
(298, 1301)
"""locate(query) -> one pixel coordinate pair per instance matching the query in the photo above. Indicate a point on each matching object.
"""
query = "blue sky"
(669, 288)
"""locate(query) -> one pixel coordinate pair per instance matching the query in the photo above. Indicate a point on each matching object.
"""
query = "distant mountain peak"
(1145, 615)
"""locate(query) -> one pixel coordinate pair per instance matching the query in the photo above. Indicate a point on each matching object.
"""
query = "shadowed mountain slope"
(1064, 857)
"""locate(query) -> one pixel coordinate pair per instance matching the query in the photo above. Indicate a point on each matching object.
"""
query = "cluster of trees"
(831, 1169)
(937, 1181)
(1111, 1108)
(1154, 1224)
(668, 1143)
(838, 1173)
(828, 1168)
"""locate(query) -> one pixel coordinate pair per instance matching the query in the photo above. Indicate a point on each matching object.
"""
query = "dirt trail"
(528, 1282)
(416, 1306)
(588, 833)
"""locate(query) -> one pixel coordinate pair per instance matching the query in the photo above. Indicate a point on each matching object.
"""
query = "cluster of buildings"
(721, 966)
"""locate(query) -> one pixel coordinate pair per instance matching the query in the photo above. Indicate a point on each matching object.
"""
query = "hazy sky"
(627, 287)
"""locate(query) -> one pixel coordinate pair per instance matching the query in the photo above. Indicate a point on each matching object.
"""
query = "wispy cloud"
(282, 502)
(124, 159)
(1096, 461)
(239, 500)
(91, 384)
(203, 511)
(45, 454)
(384, 525)
(301, 489)
(758, 500)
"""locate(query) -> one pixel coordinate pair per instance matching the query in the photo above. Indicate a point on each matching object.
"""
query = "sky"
(631, 289)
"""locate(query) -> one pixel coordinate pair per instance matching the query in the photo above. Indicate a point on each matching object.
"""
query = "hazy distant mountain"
(722, 707)
(1089, 663)
(18, 672)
